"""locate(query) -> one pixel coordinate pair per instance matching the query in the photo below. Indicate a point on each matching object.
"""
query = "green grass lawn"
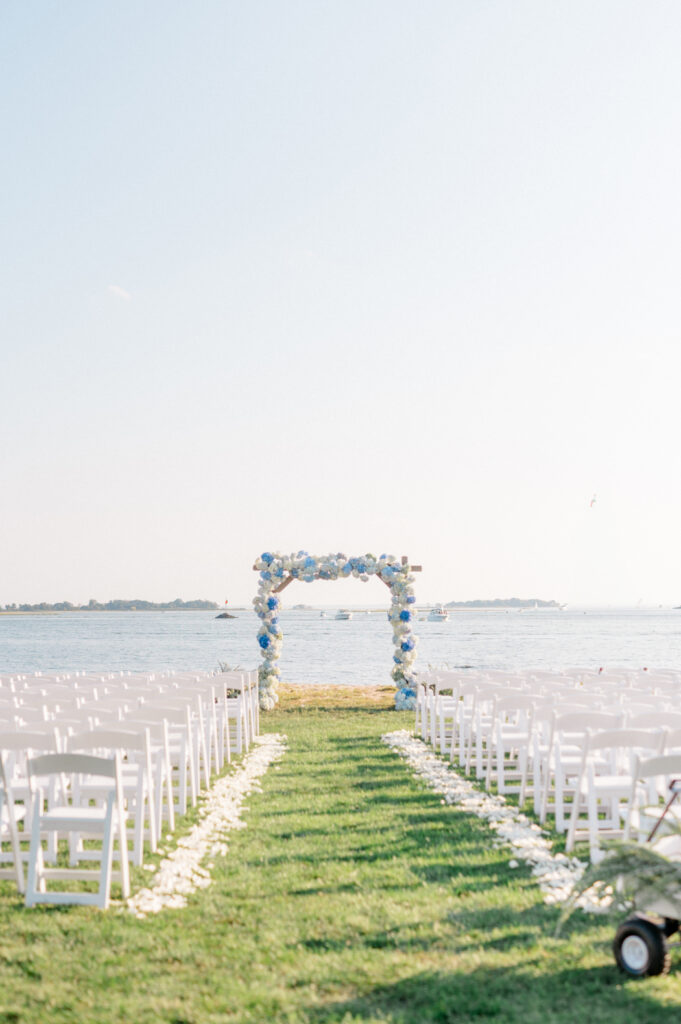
(353, 895)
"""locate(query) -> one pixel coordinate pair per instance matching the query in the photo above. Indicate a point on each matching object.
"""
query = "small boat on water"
(343, 613)
(438, 614)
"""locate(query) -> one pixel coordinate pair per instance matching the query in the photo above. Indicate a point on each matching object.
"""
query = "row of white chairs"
(159, 737)
(569, 742)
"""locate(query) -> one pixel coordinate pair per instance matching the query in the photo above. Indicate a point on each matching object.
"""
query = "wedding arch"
(278, 571)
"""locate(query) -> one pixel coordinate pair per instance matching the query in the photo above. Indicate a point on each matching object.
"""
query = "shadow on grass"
(502, 928)
(418, 937)
(476, 927)
(508, 995)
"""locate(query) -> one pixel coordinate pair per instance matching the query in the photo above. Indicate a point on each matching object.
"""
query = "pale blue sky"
(354, 276)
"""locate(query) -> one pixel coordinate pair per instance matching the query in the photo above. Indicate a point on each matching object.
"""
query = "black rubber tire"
(640, 948)
(671, 926)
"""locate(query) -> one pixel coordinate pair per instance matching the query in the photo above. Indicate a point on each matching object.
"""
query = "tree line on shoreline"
(115, 606)
(508, 602)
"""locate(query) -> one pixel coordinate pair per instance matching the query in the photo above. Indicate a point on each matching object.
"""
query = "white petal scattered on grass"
(555, 873)
(181, 872)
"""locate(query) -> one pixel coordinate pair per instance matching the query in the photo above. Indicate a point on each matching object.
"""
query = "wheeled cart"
(641, 944)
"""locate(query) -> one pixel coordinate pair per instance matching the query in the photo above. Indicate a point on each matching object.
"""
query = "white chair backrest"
(655, 720)
(109, 739)
(82, 764)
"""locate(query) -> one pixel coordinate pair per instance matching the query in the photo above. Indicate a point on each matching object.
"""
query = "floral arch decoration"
(278, 571)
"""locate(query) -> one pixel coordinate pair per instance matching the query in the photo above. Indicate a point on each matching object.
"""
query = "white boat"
(438, 614)
(343, 613)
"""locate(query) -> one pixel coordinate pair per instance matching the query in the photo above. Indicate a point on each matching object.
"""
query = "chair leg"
(18, 863)
(523, 759)
(193, 782)
(151, 803)
(139, 808)
(123, 842)
(574, 817)
(35, 881)
(488, 772)
(107, 858)
(8, 803)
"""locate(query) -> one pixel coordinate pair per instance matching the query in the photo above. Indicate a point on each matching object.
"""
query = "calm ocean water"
(322, 650)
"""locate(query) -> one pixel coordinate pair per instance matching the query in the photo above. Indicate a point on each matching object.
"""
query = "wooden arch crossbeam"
(289, 579)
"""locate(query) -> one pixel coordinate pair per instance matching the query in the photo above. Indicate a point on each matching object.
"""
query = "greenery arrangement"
(631, 876)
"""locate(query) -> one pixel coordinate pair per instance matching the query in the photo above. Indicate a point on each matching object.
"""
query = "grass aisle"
(353, 895)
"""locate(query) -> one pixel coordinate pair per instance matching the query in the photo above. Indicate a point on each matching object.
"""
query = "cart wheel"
(671, 926)
(640, 948)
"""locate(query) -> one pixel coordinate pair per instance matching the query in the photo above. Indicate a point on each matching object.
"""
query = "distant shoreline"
(117, 605)
(106, 611)
(29, 613)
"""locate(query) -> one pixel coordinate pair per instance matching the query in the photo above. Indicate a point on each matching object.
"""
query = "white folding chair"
(466, 696)
(482, 722)
(16, 746)
(137, 776)
(237, 715)
(443, 710)
(154, 722)
(62, 817)
(562, 759)
(425, 699)
(253, 684)
(604, 782)
(420, 686)
(508, 748)
(201, 697)
(10, 814)
(179, 751)
(652, 808)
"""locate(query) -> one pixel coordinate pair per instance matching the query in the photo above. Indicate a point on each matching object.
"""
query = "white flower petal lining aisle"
(556, 873)
(182, 872)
